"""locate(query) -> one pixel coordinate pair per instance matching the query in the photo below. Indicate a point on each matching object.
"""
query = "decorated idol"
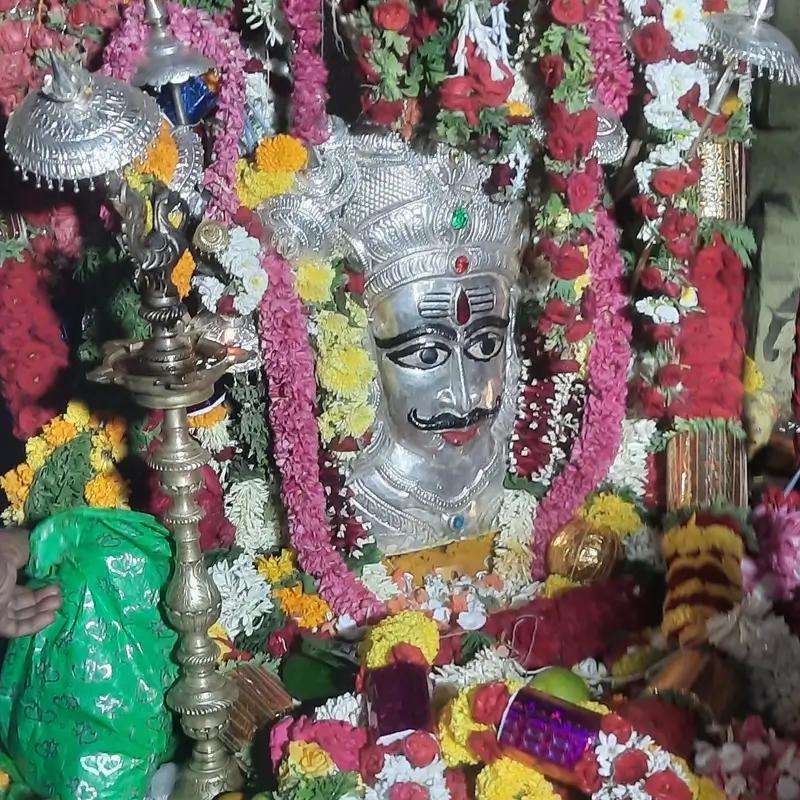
(440, 263)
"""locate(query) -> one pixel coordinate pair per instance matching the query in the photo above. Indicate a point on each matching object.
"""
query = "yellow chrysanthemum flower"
(407, 627)
(78, 414)
(107, 490)
(346, 372)
(518, 109)
(276, 568)
(357, 314)
(183, 272)
(313, 279)
(17, 485)
(254, 187)
(305, 760)
(509, 779)
(332, 328)
(36, 452)
(58, 432)
(454, 753)
(346, 419)
(281, 153)
(610, 513)
(308, 610)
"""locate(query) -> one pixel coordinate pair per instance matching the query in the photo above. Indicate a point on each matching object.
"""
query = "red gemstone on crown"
(461, 265)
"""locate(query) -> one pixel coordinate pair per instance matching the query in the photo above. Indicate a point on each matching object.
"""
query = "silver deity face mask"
(442, 348)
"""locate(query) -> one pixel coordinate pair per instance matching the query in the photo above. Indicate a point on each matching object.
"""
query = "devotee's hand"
(22, 612)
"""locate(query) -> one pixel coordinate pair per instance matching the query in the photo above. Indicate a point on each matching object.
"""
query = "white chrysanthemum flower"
(375, 577)
(246, 303)
(254, 284)
(683, 19)
(246, 596)
(629, 470)
(669, 81)
(347, 708)
(210, 291)
(242, 252)
(487, 666)
(248, 508)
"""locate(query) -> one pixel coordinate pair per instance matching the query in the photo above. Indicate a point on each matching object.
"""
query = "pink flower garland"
(213, 38)
(613, 77)
(309, 120)
(601, 432)
(289, 367)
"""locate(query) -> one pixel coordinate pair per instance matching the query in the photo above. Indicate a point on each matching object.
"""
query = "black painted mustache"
(452, 422)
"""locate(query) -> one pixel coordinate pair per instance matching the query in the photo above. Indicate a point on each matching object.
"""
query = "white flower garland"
(246, 596)
(248, 507)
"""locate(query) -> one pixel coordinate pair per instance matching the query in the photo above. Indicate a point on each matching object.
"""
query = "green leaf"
(519, 484)
(585, 220)
(395, 42)
(738, 237)
(307, 677)
(12, 248)
(308, 583)
(564, 291)
(472, 643)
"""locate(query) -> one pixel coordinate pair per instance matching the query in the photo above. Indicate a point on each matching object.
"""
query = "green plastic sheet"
(82, 710)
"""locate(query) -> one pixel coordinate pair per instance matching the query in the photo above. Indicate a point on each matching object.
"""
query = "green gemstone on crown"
(459, 219)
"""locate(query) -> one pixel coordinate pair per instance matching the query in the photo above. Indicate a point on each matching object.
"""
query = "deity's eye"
(424, 355)
(485, 346)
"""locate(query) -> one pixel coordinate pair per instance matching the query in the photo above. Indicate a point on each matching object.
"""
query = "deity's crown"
(401, 214)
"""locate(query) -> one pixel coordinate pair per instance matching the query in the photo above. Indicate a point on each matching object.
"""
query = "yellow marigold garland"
(276, 568)
(107, 490)
(314, 279)
(183, 272)
(555, 585)
(308, 610)
(161, 158)
(253, 186)
(208, 419)
(407, 627)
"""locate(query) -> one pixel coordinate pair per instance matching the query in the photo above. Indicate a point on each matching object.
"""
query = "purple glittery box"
(548, 731)
(399, 699)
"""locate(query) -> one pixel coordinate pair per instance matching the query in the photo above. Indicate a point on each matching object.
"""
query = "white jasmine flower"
(606, 750)
(242, 253)
(683, 19)
(669, 81)
(246, 596)
(487, 666)
(210, 291)
(247, 506)
(629, 470)
(345, 708)
(593, 672)
(512, 555)
(472, 620)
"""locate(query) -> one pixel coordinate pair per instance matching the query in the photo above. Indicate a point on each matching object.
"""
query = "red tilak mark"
(463, 311)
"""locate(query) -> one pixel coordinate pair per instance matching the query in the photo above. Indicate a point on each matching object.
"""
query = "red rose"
(645, 206)
(584, 129)
(80, 14)
(568, 263)
(558, 312)
(677, 223)
(489, 702)
(559, 367)
(668, 182)
(581, 193)
(671, 375)
(588, 773)
(651, 43)
(456, 783)
(280, 642)
(614, 725)
(552, 70)
(666, 785)
(405, 653)
(630, 767)
(488, 90)
(420, 749)
(659, 333)
(561, 145)
(381, 112)
(485, 746)
(12, 36)
(457, 94)
(681, 248)
(370, 763)
(225, 305)
(651, 279)
(15, 69)
(690, 100)
(578, 331)
(30, 419)
(408, 791)
(558, 183)
(392, 15)
(568, 12)
(715, 6)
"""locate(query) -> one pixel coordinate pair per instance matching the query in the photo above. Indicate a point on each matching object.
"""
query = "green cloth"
(82, 708)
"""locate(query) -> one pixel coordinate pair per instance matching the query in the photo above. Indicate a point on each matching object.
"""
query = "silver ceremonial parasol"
(79, 127)
(167, 62)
